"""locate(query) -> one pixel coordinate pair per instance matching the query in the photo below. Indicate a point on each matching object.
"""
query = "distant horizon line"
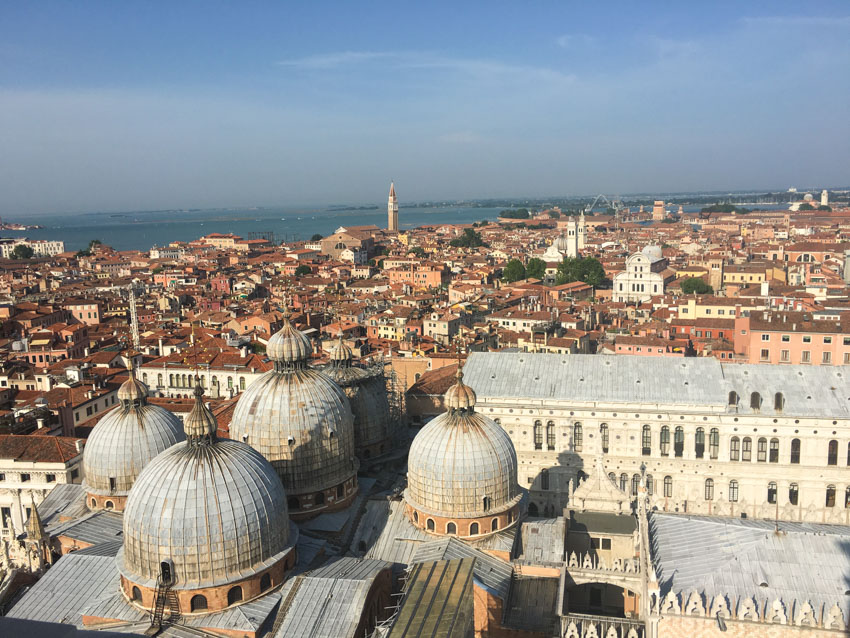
(519, 199)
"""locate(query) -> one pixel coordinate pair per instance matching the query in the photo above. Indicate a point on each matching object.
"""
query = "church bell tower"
(392, 209)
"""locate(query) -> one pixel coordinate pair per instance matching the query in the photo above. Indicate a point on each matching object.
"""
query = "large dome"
(301, 421)
(462, 465)
(367, 393)
(215, 509)
(124, 442)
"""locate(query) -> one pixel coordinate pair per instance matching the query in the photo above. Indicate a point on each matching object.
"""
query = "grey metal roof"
(109, 548)
(67, 587)
(335, 522)
(329, 602)
(95, 528)
(388, 533)
(492, 573)
(541, 541)
(533, 605)
(66, 499)
(698, 382)
(735, 557)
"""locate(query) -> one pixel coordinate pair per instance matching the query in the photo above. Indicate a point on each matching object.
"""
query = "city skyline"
(135, 108)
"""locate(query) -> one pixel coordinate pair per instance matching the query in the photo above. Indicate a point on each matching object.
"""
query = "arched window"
(494, 525)
(795, 450)
(229, 383)
(847, 497)
(137, 594)
(451, 528)
(429, 524)
(733, 398)
(635, 484)
(714, 443)
(109, 505)
(145, 378)
(709, 489)
(340, 490)
(473, 529)
(650, 484)
(159, 380)
(532, 509)
(771, 492)
(234, 595)
(191, 381)
(293, 503)
(735, 449)
(171, 380)
(646, 440)
(198, 603)
(544, 479)
(624, 481)
(832, 457)
(699, 443)
(241, 383)
(733, 491)
(550, 435)
(778, 402)
(830, 496)
(613, 477)
(320, 498)
(679, 441)
(603, 435)
(94, 502)
(668, 486)
(415, 516)
(755, 401)
(577, 437)
(665, 441)
(774, 451)
(487, 501)
(747, 449)
(793, 493)
(265, 582)
(538, 435)
(761, 451)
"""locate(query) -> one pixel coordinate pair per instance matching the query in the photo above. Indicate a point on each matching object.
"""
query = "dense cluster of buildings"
(379, 433)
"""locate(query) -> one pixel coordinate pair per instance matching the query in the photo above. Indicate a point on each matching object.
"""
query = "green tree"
(22, 251)
(316, 237)
(515, 213)
(469, 239)
(696, 285)
(302, 270)
(417, 251)
(806, 206)
(157, 270)
(825, 207)
(513, 271)
(536, 268)
(587, 269)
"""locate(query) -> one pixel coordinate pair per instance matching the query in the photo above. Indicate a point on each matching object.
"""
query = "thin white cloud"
(575, 40)
(799, 21)
(335, 60)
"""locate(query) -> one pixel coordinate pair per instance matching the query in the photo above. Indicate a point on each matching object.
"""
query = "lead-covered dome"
(301, 421)
(366, 390)
(123, 443)
(561, 243)
(214, 511)
(462, 465)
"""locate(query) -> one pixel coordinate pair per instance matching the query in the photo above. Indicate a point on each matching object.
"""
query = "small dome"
(217, 511)
(132, 389)
(561, 243)
(289, 345)
(341, 354)
(460, 396)
(652, 251)
(126, 440)
(200, 422)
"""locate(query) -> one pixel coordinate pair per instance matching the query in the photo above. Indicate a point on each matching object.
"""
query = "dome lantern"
(200, 424)
(289, 348)
(460, 396)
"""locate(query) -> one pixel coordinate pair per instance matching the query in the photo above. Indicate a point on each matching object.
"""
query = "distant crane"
(615, 203)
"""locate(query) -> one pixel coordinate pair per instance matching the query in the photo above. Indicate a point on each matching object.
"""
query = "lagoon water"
(140, 231)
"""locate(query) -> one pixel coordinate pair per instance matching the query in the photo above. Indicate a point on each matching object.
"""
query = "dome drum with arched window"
(462, 472)
(207, 518)
(367, 393)
(301, 421)
(123, 443)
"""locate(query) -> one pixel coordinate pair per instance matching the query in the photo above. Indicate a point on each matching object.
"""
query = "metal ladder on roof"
(164, 596)
(285, 604)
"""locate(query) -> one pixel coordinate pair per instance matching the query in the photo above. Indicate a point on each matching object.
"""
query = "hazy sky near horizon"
(131, 105)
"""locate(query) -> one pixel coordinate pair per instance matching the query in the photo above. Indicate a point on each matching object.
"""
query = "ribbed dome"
(561, 243)
(652, 251)
(301, 421)
(463, 465)
(125, 441)
(341, 353)
(367, 394)
(217, 510)
(288, 345)
(200, 422)
(460, 396)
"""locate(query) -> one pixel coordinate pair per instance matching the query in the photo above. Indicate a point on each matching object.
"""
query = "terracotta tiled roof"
(37, 448)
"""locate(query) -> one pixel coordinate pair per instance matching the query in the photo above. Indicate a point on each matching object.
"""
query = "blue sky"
(123, 106)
